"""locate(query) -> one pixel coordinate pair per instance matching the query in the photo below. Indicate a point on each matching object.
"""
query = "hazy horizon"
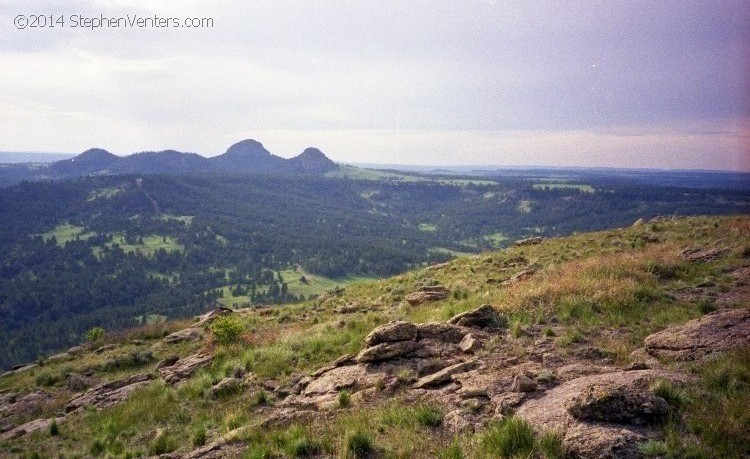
(548, 84)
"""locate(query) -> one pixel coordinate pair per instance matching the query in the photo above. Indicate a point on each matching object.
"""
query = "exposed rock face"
(441, 332)
(15, 406)
(470, 344)
(184, 368)
(167, 361)
(528, 241)
(211, 315)
(484, 317)
(387, 351)
(109, 393)
(29, 427)
(76, 382)
(188, 334)
(576, 408)
(716, 332)
(226, 386)
(621, 405)
(522, 383)
(518, 277)
(428, 293)
(445, 374)
(390, 332)
(703, 254)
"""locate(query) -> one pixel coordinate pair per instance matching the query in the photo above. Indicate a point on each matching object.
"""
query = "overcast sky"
(482, 82)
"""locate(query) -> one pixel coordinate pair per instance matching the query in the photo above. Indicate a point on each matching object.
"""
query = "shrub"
(428, 416)
(95, 334)
(54, 429)
(359, 444)
(162, 443)
(345, 399)
(508, 438)
(452, 452)
(199, 435)
(653, 448)
(664, 389)
(227, 329)
(550, 445)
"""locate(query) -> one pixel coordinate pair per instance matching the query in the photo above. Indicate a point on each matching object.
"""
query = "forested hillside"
(115, 251)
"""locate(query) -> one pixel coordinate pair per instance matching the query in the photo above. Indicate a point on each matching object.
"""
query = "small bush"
(345, 399)
(653, 448)
(428, 416)
(199, 436)
(162, 443)
(550, 445)
(454, 451)
(508, 438)
(47, 378)
(227, 329)
(706, 306)
(359, 444)
(54, 429)
(95, 334)
(664, 389)
(548, 331)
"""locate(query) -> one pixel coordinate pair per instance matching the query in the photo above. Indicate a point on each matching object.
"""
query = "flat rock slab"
(188, 334)
(184, 368)
(109, 393)
(716, 332)
(29, 427)
(591, 438)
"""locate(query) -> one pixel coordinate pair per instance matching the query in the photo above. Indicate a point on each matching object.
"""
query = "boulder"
(428, 293)
(484, 317)
(167, 361)
(585, 436)
(716, 332)
(522, 383)
(445, 374)
(109, 393)
(440, 331)
(188, 334)
(226, 386)
(184, 368)
(470, 344)
(391, 332)
(518, 277)
(387, 351)
(625, 404)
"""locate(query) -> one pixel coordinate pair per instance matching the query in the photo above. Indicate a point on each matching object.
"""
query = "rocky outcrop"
(109, 393)
(427, 293)
(716, 332)
(29, 427)
(484, 317)
(226, 386)
(528, 241)
(703, 254)
(522, 383)
(604, 415)
(167, 361)
(390, 332)
(445, 374)
(518, 277)
(211, 315)
(388, 351)
(188, 334)
(184, 368)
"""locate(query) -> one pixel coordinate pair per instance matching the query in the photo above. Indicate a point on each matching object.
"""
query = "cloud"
(442, 70)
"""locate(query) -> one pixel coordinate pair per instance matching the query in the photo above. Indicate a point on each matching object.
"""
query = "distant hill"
(15, 157)
(246, 156)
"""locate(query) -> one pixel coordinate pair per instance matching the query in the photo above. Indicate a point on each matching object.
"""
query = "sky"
(637, 84)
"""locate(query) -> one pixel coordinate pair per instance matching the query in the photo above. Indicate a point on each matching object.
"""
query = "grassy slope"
(608, 289)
